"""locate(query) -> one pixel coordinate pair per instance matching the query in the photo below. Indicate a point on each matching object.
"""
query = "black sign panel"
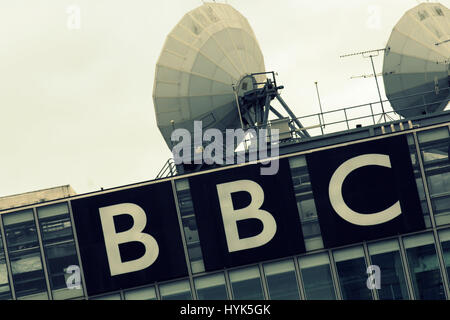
(365, 191)
(245, 217)
(129, 238)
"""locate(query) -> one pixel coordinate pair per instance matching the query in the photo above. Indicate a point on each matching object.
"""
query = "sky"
(76, 95)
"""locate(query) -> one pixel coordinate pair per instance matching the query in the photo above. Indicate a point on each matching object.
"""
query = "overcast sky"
(76, 104)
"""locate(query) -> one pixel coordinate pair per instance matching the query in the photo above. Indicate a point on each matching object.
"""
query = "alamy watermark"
(374, 279)
(214, 147)
(374, 19)
(74, 280)
(73, 17)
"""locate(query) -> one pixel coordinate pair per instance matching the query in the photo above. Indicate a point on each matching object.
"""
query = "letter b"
(231, 215)
(134, 234)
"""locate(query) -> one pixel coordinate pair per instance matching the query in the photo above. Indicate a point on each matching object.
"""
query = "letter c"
(337, 200)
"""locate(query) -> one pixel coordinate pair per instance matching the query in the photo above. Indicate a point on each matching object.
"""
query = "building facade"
(374, 196)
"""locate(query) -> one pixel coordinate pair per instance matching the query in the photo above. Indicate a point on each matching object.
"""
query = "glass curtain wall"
(352, 272)
(424, 267)
(211, 287)
(5, 290)
(189, 225)
(444, 236)
(281, 280)
(60, 253)
(316, 277)
(246, 284)
(25, 256)
(305, 203)
(435, 147)
(386, 255)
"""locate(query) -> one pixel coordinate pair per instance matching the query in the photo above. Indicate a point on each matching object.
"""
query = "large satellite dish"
(210, 50)
(417, 60)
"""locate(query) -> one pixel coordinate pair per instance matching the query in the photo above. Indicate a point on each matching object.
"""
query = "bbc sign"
(365, 191)
(128, 238)
(243, 216)
(132, 237)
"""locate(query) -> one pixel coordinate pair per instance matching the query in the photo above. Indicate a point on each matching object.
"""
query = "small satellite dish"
(416, 60)
(207, 60)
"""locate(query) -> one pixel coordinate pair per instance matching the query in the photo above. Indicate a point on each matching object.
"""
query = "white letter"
(274, 151)
(113, 239)
(374, 20)
(231, 136)
(215, 147)
(374, 280)
(337, 200)
(231, 216)
(74, 280)
(184, 146)
(198, 142)
(74, 18)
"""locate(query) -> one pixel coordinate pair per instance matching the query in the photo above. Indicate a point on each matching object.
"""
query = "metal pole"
(238, 107)
(320, 104)
(291, 114)
(378, 87)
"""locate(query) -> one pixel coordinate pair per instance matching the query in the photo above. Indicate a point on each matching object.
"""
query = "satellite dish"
(210, 50)
(417, 60)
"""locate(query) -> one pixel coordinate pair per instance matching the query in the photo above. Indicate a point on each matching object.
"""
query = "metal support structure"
(378, 87)
(304, 134)
(43, 256)
(77, 249)
(253, 110)
(408, 277)
(266, 110)
(275, 112)
(334, 275)
(183, 240)
(373, 291)
(264, 285)
(320, 104)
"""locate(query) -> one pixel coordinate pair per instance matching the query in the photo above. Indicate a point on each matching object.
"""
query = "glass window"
(386, 255)
(211, 287)
(352, 271)
(148, 293)
(5, 291)
(281, 280)
(434, 145)
(246, 284)
(419, 181)
(62, 264)
(55, 223)
(305, 203)
(59, 248)
(444, 237)
(28, 276)
(114, 296)
(189, 225)
(424, 267)
(180, 290)
(20, 230)
(24, 254)
(316, 277)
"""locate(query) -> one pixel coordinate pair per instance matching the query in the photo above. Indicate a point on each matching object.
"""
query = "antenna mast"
(370, 54)
(320, 104)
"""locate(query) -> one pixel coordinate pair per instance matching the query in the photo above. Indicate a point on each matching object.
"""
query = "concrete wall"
(34, 197)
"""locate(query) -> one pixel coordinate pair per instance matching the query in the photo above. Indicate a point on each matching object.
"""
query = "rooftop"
(33, 197)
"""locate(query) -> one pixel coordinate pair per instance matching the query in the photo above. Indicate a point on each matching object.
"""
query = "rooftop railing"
(332, 121)
(363, 115)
